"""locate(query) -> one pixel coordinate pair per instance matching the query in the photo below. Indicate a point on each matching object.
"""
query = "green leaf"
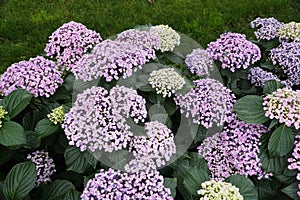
(291, 190)
(170, 106)
(193, 177)
(31, 119)
(69, 82)
(271, 86)
(249, 109)
(72, 195)
(19, 181)
(172, 184)
(6, 154)
(12, 134)
(281, 141)
(245, 185)
(45, 127)
(32, 140)
(57, 190)
(78, 161)
(16, 101)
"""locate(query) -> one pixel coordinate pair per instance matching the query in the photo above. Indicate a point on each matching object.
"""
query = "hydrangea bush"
(150, 114)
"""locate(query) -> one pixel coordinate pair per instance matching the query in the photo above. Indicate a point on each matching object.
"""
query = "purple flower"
(234, 51)
(267, 28)
(69, 42)
(44, 166)
(258, 76)
(295, 159)
(112, 184)
(38, 76)
(234, 151)
(209, 102)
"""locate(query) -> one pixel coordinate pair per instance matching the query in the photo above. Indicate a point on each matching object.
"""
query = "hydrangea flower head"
(112, 184)
(69, 42)
(2, 114)
(290, 32)
(234, 51)
(219, 190)
(166, 81)
(283, 105)
(209, 102)
(169, 38)
(38, 76)
(199, 63)
(295, 160)
(267, 28)
(258, 76)
(57, 115)
(44, 165)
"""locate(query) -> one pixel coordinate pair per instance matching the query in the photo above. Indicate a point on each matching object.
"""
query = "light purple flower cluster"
(295, 159)
(158, 145)
(69, 42)
(287, 55)
(116, 185)
(234, 151)
(111, 59)
(199, 63)
(38, 76)
(44, 165)
(234, 51)
(97, 119)
(209, 102)
(267, 28)
(283, 105)
(258, 76)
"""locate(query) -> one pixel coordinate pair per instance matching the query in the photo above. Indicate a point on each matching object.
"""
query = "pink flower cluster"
(295, 159)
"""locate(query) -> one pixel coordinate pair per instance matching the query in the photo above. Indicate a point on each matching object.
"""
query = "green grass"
(26, 25)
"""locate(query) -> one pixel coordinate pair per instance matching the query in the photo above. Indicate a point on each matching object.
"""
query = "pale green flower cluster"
(2, 113)
(169, 38)
(57, 115)
(219, 190)
(166, 81)
(290, 31)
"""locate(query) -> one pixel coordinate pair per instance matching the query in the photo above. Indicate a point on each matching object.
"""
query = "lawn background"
(25, 25)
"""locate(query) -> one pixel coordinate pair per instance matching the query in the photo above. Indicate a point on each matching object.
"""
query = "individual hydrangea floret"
(158, 144)
(258, 76)
(112, 184)
(97, 119)
(219, 190)
(287, 55)
(234, 151)
(234, 51)
(2, 114)
(44, 165)
(169, 38)
(38, 76)
(290, 32)
(267, 28)
(295, 160)
(69, 42)
(166, 81)
(207, 103)
(111, 60)
(199, 63)
(57, 115)
(283, 105)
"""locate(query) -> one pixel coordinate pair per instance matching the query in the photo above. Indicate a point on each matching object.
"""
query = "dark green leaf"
(193, 177)
(31, 119)
(271, 86)
(57, 190)
(145, 87)
(291, 190)
(19, 181)
(12, 134)
(72, 195)
(249, 109)
(172, 184)
(32, 140)
(6, 154)
(45, 127)
(170, 106)
(69, 82)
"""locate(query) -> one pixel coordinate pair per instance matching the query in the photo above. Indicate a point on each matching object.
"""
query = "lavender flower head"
(219, 190)
(158, 145)
(234, 151)
(287, 55)
(166, 81)
(111, 184)
(169, 38)
(290, 32)
(267, 28)
(112, 59)
(295, 159)
(199, 63)
(258, 76)
(2, 114)
(44, 166)
(57, 115)
(97, 119)
(69, 42)
(234, 51)
(38, 76)
(283, 105)
(209, 102)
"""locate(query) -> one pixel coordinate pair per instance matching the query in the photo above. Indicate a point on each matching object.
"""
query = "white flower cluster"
(169, 38)
(290, 31)
(166, 81)
(57, 115)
